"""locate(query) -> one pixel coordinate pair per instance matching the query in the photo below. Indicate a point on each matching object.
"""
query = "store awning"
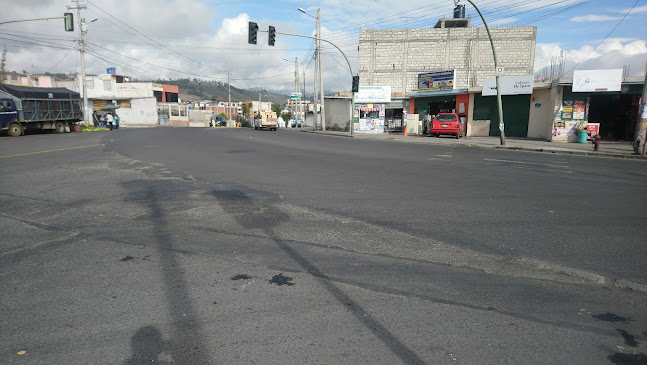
(427, 94)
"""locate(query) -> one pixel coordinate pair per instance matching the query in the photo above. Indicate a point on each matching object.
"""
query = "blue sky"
(208, 38)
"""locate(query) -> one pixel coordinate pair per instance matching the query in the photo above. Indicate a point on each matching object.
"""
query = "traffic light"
(271, 39)
(253, 33)
(69, 22)
(355, 84)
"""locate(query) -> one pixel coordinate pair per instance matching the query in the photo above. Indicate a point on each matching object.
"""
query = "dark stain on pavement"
(610, 317)
(628, 359)
(281, 280)
(256, 209)
(128, 258)
(147, 343)
(241, 277)
(630, 340)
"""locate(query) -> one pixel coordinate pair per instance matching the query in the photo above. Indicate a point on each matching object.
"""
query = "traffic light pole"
(496, 66)
(32, 20)
(350, 68)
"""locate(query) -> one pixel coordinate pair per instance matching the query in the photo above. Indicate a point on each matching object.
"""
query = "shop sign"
(295, 96)
(592, 129)
(373, 94)
(510, 85)
(597, 80)
(440, 80)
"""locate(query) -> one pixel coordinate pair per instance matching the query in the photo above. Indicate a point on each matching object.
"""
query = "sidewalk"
(607, 149)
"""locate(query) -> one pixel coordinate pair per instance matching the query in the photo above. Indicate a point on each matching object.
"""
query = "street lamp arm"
(321, 39)
(31, 20)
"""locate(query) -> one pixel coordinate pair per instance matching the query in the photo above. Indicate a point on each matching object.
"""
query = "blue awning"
(427, 94)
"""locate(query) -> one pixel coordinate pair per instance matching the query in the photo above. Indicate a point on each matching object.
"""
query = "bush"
(243, 122)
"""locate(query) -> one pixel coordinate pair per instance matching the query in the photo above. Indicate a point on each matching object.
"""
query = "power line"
(605, 38)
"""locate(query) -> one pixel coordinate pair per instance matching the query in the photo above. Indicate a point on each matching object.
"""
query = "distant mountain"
(199, 90)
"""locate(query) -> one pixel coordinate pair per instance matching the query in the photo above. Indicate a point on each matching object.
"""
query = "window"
(107, 85)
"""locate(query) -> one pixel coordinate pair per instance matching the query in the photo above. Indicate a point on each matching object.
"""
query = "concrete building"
(442, 69)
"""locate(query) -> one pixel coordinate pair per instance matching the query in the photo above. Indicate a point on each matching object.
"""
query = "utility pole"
(82, 31)
(229, 102)
(314, 92)
(321, 88)
(640, 145)
(296, 88)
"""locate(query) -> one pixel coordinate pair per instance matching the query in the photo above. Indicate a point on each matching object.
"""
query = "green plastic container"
(581, 136)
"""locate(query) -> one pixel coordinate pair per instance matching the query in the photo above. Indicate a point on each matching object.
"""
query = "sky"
(207, 39)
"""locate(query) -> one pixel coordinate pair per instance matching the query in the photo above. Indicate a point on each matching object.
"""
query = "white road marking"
(443, 155)
(526, 163)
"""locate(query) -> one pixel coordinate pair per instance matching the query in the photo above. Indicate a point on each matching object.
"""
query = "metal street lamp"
(318, 67)
(496, 66)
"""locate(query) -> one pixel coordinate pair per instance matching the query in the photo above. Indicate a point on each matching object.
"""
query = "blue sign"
(111, 70)
(440, 80)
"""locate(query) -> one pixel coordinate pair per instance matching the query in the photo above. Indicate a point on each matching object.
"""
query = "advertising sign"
(597, 80)
(510, 85)
(440, 80)
(373, 94)
(592, 129)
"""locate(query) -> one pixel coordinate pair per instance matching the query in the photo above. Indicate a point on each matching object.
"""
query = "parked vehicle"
(296, 123)
(268, 120)
(24, 108)
(446, 123)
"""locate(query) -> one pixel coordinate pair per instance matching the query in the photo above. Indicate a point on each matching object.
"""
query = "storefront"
(597, 101)
(425, 103)
(370, 110)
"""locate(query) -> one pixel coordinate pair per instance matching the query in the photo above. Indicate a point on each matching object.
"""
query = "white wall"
(141, 112)
(539, 117)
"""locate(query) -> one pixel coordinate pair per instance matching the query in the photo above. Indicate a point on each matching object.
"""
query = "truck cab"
(8, 115)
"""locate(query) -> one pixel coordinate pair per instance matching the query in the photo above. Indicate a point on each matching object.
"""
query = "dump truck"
(24, 108)
(268, 120)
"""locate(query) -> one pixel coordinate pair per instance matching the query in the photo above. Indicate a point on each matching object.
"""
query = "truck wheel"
(15, 130)
(59, 127)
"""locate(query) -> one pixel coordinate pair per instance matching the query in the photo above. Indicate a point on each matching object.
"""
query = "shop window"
(175, 111)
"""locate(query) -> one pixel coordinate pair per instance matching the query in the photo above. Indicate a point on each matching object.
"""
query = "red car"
(446, 123)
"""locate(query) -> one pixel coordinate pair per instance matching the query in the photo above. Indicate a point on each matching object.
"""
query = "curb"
(513, 148)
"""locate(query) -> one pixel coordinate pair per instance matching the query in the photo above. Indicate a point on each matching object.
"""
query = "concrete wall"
(337, 112)
(141, 112)
(540, 117)
(395, 57)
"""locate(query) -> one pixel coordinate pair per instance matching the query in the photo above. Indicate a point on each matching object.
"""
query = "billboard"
(373, 94)
(510, 85)
(439, 80)
(597, 80)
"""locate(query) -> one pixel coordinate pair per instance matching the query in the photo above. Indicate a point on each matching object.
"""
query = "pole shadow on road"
(260, 213)
(186, 345)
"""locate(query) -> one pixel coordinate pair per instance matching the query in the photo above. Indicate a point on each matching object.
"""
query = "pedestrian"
(110, 120)
(102, 121)
(95, 118)
(212, 122)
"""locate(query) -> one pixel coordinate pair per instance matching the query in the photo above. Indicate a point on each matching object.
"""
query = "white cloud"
(594, 18)
(640, 9)
(613, 53)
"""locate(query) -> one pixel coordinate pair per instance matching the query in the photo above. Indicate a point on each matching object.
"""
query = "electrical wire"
(605, 38)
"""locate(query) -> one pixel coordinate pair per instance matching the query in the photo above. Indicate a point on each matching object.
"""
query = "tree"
(223, 115)
(276, 108)
(246, 110)
(286, 116)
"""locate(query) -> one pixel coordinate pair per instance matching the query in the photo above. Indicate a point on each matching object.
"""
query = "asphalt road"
(195, 246)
